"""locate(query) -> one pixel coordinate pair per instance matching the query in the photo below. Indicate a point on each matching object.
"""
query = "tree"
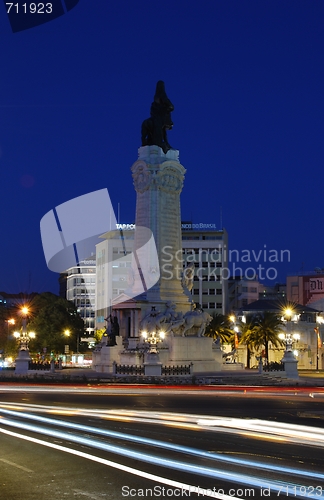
(248, 337)
(267, 328)
(50, 316)
(220, 328)
(99, 334)
(8, 344)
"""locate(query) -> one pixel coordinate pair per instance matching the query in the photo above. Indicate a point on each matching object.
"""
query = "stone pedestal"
(196, 350)
(158, 180)
(22, 362)
(152, 364)
(103, 357)
(290, 364)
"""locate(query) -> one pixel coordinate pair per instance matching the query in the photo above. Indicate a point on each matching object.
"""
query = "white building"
(208, 250)
(81, 290)
(113, 257)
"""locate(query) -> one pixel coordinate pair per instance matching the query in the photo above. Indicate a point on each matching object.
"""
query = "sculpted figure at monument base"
(192, 323)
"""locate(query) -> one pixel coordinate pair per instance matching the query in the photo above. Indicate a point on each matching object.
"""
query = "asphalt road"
(134, 442)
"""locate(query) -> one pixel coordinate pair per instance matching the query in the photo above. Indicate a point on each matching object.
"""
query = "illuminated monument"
(157, 306)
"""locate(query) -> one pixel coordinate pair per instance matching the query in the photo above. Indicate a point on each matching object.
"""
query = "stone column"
(158, 180)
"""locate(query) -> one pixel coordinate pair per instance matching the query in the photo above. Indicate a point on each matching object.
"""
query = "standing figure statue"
(112, 330)
(154, 129)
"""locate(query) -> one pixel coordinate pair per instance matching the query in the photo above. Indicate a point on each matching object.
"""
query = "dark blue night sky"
(246, 79)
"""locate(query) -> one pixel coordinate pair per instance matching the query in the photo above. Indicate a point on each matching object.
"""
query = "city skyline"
(245, 80)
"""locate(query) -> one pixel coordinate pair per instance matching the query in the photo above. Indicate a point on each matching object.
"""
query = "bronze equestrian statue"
(154, 129)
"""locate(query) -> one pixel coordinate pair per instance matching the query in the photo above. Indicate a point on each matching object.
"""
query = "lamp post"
(319, 321)
(152, 363)
(236, 330)
(289, 360)
(23, 358)
(153, 335)
(289, 339)
(153, 338)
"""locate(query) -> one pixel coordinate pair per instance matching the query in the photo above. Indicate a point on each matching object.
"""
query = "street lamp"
(23, 358)
(319, 321)
(289, 360)
(236, 330)
(289, 339)
(153, 338)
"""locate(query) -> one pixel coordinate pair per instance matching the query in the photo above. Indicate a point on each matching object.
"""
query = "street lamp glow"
(11, 321)
(24, 310)
(144, 334)
(32, 335)
(162, 335)
(282, 336)
(232, 318)
(67, 333)
(16, 334)
(288, 312)
(296, 336)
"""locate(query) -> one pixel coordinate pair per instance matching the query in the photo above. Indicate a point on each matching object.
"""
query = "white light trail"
(186, 467)
(130, 470)
(178, 448)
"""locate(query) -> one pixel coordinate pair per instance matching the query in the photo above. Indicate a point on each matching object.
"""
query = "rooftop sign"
(200, 225)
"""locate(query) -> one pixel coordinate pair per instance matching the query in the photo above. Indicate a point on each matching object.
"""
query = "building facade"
(207, 249)
(242, 291)
(81, 290)
(114, 259)
(305, 321)
(307, 288)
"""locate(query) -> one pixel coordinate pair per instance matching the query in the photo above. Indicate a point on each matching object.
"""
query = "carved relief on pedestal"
(141, 176)
(170, 178)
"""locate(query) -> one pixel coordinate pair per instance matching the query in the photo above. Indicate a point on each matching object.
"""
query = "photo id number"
(32, 8)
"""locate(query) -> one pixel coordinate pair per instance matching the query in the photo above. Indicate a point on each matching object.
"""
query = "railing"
(41, 366)
(128, 369)
(176, 370)
(274, 367)
(139, 370)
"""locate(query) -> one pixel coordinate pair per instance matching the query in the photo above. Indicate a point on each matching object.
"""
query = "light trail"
(311, 436)
(161, 444)
(206, 423)
(242, 391)
(124, 468)
(155, 460)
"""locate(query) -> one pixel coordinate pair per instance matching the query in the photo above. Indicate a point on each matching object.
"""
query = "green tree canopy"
(267, 329)
(50, 316)
(248, 336)
(220, 328)
(8, 344)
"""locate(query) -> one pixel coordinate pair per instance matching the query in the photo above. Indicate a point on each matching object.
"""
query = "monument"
(164, 311)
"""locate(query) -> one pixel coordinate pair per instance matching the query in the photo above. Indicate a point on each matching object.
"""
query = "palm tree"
(220, 328)
(267, 328)
(248, 337)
